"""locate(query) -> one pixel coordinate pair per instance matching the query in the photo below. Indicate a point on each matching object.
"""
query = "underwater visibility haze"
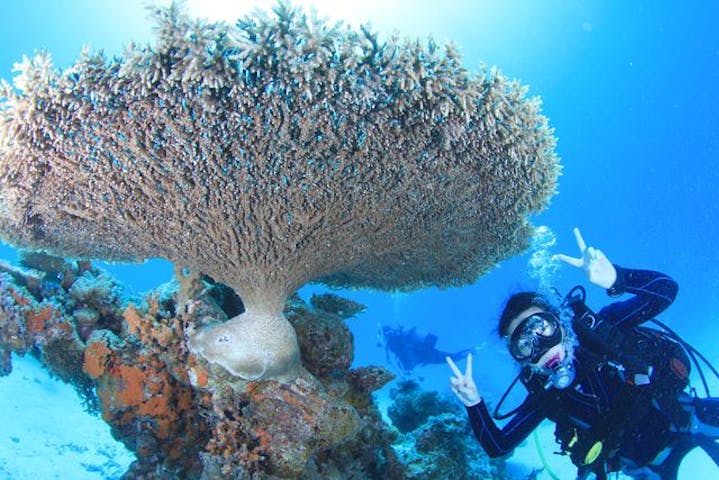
(420, 223)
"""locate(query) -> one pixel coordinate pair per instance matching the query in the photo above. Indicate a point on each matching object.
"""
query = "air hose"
(541, 456)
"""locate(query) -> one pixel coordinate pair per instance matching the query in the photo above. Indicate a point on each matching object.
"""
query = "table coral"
(271, 153)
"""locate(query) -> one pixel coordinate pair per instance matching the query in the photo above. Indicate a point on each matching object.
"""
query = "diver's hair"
(519, 302)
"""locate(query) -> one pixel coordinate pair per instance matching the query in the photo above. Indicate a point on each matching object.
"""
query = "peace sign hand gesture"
(463, 385)
(600, 270)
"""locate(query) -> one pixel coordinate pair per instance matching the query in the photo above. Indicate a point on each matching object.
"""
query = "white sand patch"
(46, 434)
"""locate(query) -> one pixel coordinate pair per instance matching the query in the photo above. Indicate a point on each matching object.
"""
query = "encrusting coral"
(268, 154)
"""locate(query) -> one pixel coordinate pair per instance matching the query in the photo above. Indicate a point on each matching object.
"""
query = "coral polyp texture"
(271, 153)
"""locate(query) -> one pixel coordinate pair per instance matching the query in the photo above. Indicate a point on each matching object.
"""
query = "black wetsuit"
(599, 395)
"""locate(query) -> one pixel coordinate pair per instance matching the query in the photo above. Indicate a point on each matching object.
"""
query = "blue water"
(630, 89)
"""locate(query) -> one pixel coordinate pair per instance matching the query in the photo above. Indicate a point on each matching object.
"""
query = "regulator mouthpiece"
(561, 377)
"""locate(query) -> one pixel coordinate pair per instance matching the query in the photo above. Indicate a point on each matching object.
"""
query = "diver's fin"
(707, 412)
(380, 335)
(460, 354)
(430, 340)
(669, 468)
(710, 447)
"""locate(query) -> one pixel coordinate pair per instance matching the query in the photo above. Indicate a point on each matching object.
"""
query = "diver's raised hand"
(462, 384)
(600, 270)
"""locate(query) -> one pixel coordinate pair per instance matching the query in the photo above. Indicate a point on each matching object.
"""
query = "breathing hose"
(541, 456)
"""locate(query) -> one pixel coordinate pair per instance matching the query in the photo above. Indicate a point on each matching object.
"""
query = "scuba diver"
(412, 348)
(615, 389)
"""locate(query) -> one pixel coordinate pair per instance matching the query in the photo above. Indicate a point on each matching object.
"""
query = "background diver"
(410, 348)
(614, 389)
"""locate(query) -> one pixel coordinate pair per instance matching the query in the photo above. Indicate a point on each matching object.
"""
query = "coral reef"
(326, 343)
(131, 364)
(411, 406)
(445, 448)
(436, 440)
(268, 154)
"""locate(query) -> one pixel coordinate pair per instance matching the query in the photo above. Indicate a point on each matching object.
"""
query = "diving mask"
(535, 336)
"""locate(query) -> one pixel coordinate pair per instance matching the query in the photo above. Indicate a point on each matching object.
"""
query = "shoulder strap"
(604, 340)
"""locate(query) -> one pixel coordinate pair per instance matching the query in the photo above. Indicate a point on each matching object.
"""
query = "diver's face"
(536, 339)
